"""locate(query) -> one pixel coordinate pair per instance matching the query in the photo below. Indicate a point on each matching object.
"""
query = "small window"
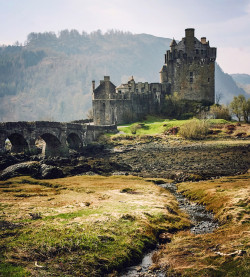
(197, 51)
(191, 74)
(201, 52)
(191, 80)
(208, 80)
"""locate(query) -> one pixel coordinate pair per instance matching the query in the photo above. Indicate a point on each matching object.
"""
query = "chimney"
(93, 85)
(106, 78)
(189, 42)
(203, 40)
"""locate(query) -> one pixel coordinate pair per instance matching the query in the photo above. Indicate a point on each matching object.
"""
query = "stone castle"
(188, 70)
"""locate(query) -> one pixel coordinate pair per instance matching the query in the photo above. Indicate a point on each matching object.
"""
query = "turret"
(172, 45)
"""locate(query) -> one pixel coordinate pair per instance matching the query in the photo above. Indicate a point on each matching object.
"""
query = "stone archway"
(74, 141)
(18, 143)
(53, 146)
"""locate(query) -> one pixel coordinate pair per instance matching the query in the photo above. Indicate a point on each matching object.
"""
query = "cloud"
(234, 60)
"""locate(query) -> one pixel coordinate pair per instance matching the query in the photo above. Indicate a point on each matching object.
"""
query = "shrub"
(195, 129)
(135, 127)
(220, 112)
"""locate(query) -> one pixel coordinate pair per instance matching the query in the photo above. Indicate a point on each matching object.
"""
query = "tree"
(235, 107)
(240, 107)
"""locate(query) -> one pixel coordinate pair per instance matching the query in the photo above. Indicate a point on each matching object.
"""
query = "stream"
(202, 222)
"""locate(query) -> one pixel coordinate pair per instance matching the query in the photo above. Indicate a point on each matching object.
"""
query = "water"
(202, 222)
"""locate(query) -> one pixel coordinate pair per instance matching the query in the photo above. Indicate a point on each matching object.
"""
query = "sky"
(225, 23)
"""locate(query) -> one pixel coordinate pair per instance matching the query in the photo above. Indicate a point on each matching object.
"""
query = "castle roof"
(173, 43)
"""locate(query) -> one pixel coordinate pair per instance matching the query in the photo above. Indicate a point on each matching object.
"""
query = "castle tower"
(104, 111)
(189, 68)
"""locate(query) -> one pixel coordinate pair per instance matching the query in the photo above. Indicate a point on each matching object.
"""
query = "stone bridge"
(58, 137)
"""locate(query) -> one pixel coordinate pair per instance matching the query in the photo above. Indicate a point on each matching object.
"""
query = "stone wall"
(128, 103)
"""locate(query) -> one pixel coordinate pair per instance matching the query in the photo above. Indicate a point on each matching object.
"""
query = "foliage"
(240, 107)
(220, 112)
(195, 129)
(135, 127)
(52, 73)
(176, 107)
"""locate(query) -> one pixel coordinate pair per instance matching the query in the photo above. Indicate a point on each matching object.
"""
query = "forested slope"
(49, 78)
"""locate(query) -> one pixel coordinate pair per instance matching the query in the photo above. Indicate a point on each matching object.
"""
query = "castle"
(188, 70)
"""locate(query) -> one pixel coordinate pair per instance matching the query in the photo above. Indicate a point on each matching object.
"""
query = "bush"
(195, 129)
(220, 112)
(135, 127)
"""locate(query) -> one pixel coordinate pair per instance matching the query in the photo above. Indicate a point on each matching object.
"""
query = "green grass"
(123, 217)
(9, 270)
(154, 125)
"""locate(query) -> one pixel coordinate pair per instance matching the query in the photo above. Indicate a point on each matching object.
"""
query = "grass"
(197, 255)
(156, 126)
(87, 225)
(152, 126)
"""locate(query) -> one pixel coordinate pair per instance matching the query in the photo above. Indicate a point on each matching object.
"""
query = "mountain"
(243, 81)
(49, 78)
(226, 87)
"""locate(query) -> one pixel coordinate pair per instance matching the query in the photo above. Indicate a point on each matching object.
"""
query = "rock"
(27, 168)
(79, 169)
(165, 238)
(138, 268)
(50, 172)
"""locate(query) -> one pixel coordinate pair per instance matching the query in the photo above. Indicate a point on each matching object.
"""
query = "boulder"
(50, 172)
(27, 168)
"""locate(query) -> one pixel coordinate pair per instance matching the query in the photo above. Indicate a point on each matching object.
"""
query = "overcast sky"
(225, 23)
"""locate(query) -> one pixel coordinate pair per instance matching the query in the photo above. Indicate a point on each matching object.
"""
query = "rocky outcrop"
(50, 172)
(182, 163)
(185, 163)
(33, 169)
(26, 168)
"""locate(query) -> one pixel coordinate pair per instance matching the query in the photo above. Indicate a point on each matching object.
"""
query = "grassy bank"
(154, 125)
(219, 128)
(224, 252)
(82, 225)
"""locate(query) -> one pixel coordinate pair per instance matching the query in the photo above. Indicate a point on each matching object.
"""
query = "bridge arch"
(74, 142)
(53, 146)
(18, 143)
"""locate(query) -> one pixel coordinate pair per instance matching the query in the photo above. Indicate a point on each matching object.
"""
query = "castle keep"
(188, 70)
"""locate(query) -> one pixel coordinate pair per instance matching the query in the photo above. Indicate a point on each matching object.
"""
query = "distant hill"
(49, 78)
(243, 81)
(225, 86)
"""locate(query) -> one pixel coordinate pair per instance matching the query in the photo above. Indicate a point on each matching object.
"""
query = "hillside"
(49, 78)
(243, 81)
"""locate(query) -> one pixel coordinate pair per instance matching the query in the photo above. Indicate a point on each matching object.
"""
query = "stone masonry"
(188, 71)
